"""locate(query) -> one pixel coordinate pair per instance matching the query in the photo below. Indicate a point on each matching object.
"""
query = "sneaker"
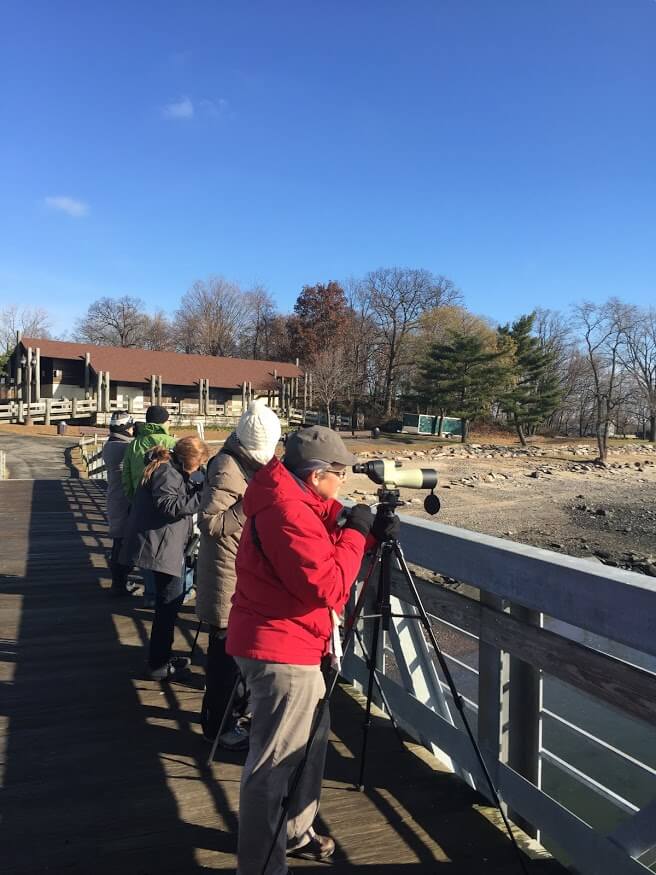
(149, 601)
(234, 739)
(317, 848)
(172, 669)
(118, 592)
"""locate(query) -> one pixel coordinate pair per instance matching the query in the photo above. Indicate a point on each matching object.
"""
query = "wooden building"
(99, 379)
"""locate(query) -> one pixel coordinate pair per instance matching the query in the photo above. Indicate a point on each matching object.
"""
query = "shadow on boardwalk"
(104, 771)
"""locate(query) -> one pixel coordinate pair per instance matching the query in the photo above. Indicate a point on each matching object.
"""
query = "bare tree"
(638, 356)
(260, 307)
(158, 332)
(211, 318)
(396, 298)
(114, 322)
(330, 376)
(30, 321)
(604, 328)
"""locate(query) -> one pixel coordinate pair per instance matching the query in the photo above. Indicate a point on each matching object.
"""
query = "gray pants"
(283, 703)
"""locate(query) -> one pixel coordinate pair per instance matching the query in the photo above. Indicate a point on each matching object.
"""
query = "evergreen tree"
(463, 376)
(534, 393)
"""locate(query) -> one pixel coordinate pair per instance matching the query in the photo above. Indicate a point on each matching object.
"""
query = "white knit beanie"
(258, 431)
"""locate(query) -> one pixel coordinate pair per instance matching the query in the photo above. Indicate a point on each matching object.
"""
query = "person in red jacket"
(295, 569)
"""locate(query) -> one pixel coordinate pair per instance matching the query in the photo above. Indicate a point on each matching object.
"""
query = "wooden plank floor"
(104, 771)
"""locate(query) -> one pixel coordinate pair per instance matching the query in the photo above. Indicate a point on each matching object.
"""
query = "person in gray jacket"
(157, 533)
(221, 521)
(121, 428)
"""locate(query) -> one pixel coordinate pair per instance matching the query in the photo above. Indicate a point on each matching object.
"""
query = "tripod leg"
(193, 646)
(224, 719)
(371, 666)
(366, 726)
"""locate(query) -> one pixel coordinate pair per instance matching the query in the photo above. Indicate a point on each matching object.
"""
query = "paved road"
(32, 458)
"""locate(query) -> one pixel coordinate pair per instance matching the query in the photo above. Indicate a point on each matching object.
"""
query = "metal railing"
(567, 727)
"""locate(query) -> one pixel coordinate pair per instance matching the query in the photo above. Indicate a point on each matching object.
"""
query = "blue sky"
(509, 144)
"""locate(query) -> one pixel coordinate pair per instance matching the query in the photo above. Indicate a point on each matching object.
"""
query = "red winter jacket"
(304, 566)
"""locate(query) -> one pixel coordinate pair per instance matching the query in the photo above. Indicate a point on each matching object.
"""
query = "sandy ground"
(552, 495)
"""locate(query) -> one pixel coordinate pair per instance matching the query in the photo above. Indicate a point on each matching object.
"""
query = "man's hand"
(360, 518)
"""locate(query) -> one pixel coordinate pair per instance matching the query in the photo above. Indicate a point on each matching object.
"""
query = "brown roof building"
(133, 378)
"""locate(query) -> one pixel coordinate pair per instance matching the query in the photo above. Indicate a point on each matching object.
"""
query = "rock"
(534, 474)
(601, 511)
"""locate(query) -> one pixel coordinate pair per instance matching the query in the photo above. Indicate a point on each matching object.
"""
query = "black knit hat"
(157, 414)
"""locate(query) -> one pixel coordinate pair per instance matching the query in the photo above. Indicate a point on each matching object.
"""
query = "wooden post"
(159, 389)
(207, 396)
(310, 391)
(305, 394)
(74, 408)
(99, 392)
(28, 368)
(525, 702)
(250, 391)
(492, 699)
(19, 379)
(243, 395)
(201, 392)
(130, 404)
(37, 374)
(87, 375)
(48, 410)
(108, 405)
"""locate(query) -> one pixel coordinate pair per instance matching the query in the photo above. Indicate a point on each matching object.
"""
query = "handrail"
(517, 585)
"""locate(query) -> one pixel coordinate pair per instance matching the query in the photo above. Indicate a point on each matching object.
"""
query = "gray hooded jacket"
(118, 504)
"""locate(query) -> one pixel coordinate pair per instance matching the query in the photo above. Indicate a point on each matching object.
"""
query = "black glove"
(386, 528)
(360, 518)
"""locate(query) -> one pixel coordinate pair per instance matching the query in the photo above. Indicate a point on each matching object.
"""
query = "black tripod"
(387, 552)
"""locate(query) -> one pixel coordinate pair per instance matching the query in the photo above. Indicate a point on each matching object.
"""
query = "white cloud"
(68, 205)
(178, 110)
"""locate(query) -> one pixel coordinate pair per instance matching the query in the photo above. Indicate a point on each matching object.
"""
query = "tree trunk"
(652, 427)
(440, 424)
(520, 432)
(464, 431)
(328, 414)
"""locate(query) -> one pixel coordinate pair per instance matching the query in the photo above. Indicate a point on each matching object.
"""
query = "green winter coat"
(149, 435)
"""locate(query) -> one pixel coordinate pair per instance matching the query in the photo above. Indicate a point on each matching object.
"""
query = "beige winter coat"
(221, 520)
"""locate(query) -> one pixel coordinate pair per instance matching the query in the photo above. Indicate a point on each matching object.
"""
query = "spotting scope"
(391, 475)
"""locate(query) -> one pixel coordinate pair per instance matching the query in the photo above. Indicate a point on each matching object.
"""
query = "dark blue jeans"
(170, 593)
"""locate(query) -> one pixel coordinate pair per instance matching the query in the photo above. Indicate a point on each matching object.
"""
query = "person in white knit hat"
(221, 519)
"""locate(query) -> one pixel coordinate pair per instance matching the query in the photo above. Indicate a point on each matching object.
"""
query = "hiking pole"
(224, 719)
(193, 646)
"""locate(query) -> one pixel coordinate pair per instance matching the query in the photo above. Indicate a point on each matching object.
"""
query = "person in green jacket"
(151, 433)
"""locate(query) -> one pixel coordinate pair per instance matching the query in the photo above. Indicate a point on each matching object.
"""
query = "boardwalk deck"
(104, 771)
